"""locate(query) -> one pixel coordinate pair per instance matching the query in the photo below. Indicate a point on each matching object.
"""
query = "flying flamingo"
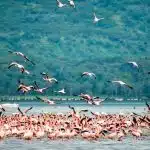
(61, 91)
(24, 88)
(148, 107)
(133, 63)
(22, 55)
(21, 67)
(39, 90)
(90, 74)
(71, 2)
(47, 78)
(46, 100)
(23, 113)
(60, 4)
(96, 19)
(121, 83)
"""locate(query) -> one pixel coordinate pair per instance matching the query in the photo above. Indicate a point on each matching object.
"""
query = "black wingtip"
(10, 51)
(19, 81)
(37, 97)
(32, 63)
(131, 87)
(43, 73)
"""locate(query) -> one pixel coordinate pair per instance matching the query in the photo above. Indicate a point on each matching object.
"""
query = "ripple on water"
(75, 144)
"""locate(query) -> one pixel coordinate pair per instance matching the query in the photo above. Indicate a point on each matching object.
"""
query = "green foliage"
(64, 42)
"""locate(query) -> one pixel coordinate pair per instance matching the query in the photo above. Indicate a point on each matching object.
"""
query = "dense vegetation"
(64, 42)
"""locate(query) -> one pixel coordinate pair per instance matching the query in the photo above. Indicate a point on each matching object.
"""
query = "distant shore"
(75, 98)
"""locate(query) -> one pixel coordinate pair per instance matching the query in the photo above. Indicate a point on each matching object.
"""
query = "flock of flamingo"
(83, 124)
(74, 124)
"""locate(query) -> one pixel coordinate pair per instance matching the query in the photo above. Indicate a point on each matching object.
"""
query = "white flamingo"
(22, 55)
(90, 74)
(61, 91)
(49, 79)
(60, 4)
(133, 63)
(96, 19)
(71, 2)
(121, 83)
(21, 67)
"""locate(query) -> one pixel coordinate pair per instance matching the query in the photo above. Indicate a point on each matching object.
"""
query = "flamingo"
(71, 2)
(40, 134)
(28, 135)
(96, 19)
(39, 90)
(2, 134)
(121, 134)
(62, 91)
(21, 67)
(46, 100)
(90, 74)
(148, 107)
(23, 113)
(91, 100)
(60, 4)
(47, 78)
(22, 55)
(24, 88)
(135, 132)
(2, 108)
(133, 63)
(121, 83)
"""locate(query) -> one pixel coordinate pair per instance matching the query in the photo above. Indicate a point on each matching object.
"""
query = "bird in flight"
(21, 67)
(62, 91)
(91, 100)
(22, 55)
(121, 83)
(47, 78)
(23, 113)
(39, 90)
(134, 64)
(147, 106)
(96, 19)
(60, 4)
(71, 3)
(90, 74)
(46, 100)
(24, 88)
(2, 110)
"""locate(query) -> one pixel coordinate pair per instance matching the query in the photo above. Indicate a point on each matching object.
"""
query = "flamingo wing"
(20, 111)
(129, 86)
(35, 83)
(147, 105)
(28, 109)
(12, 64)
(84, 73)
(72, 109)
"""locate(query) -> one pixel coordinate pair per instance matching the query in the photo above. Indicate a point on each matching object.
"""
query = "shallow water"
(79, 144)
(74, 144)
(62, 107)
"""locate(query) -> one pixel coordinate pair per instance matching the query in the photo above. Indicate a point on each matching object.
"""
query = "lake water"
(62, 107)
(79, 144)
